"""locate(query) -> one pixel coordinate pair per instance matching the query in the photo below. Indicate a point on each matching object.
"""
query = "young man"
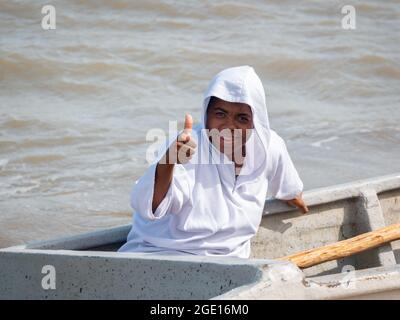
(206, 193)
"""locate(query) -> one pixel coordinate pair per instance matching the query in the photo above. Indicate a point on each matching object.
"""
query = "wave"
(40, 159)
(18, 66)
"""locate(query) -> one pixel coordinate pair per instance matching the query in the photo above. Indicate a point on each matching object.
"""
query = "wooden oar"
(346, 247)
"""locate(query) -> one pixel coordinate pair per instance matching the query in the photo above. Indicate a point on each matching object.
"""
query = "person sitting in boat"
(206, 192)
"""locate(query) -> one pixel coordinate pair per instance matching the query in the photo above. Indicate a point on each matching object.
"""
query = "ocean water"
(76, 102)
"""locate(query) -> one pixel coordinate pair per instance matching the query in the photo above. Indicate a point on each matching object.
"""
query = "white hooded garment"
(207, 210)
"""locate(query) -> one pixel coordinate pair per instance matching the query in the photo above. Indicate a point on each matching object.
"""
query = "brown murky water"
(76, 102)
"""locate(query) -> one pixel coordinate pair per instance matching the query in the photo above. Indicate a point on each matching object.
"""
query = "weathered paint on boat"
(88, 268)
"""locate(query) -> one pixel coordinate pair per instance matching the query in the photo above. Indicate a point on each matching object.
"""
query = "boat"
(87, 266)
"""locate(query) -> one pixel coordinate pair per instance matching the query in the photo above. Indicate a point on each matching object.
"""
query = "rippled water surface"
(76, 102)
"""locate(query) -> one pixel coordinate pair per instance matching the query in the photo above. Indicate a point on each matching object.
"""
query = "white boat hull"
(87, 267)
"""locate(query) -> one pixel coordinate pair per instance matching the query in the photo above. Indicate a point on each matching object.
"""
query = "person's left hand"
(298, 202)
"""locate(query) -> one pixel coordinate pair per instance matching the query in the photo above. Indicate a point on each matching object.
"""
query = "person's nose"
(230, 124)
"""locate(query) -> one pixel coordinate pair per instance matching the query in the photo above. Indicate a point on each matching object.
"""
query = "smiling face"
(232, 120)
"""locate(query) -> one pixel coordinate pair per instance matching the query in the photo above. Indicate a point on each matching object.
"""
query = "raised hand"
(182, 150)
(185, 144)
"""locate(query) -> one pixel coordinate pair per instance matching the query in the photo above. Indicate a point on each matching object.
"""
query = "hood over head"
(242, 84)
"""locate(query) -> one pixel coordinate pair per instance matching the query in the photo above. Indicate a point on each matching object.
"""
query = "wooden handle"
(345, 248)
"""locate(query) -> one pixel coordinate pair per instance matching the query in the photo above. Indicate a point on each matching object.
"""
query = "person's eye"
(243, 119)
(220, 114)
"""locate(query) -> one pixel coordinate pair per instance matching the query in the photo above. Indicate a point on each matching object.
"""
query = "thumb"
(188, 124)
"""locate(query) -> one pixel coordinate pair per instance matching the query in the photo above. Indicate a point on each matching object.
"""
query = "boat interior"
(335, 213)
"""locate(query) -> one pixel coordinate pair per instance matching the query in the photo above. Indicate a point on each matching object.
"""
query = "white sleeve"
(284, 181)
(143, 190)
